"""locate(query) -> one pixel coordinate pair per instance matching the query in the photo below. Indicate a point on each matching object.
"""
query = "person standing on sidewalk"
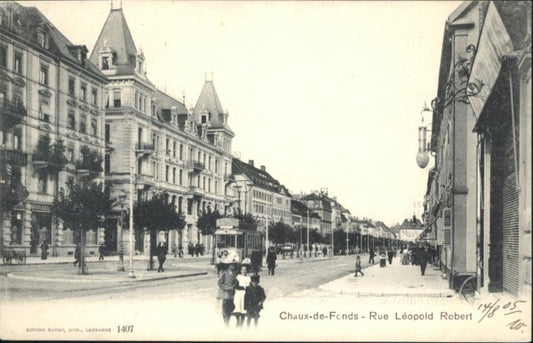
(371, 255)
(358, 266)
(226, 290)
(161, 252)
(271, 261)
(244, 281)
(390, 255)
(44, 250)
(255, 260)
(422, 259)
(101, 251)
(253, 300)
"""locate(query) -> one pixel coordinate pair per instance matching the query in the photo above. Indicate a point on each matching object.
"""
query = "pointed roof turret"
(116, 35)
(209, 104)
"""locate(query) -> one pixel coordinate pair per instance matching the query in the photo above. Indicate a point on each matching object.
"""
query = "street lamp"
(135, 155)
(121, 201)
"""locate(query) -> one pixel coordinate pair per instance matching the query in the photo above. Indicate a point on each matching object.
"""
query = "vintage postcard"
(265, 170)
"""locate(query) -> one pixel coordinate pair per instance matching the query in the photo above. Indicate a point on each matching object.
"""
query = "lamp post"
(121, 201)
(135, 155)
(308, 229)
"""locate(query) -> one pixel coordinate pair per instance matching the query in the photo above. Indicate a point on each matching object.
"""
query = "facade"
(453, 144)
(503, 112)
(50, 95)
(260, 194)
(183, 153)
(319, 203)
(303, 218)
(410, 229)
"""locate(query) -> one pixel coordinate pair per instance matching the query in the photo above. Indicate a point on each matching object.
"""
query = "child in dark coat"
(358, 266)
(253, 300)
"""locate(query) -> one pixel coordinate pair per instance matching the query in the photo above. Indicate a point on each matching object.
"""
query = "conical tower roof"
(116, 35)
(209, 102)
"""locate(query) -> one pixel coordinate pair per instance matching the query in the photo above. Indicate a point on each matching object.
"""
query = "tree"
(315, 237)
(156, 214)
(279, 233)
(83, 206)
(247, 221)
(207, 223)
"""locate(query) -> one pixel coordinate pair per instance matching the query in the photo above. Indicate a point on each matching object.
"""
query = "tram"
(231, 240)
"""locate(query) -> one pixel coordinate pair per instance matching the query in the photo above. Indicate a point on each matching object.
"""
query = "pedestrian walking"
(390, 255)
(77, 254)
(190, 249)
(305, 250)
(325, 251)
(243, 280)
(226, 290)
(175, 250)
(256, 260)
(180, 251)
(382, 259)
(358, 266)
(161, 251)
(197, 249)
(405, 256)
(422, 260)
(271, 261)
(44, 250)
(101, 251)
(254, 297)
(371, 255)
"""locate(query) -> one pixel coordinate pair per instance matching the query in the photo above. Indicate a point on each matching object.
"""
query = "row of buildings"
(110, 119)
(478, 199)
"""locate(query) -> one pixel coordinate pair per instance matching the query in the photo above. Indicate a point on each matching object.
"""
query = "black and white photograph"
(265, 170)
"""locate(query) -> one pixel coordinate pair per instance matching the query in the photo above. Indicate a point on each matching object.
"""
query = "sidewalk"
(394, 280)
(33, 260)
(107, 272)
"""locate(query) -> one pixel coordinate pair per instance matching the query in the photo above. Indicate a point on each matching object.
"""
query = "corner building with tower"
(184, 153)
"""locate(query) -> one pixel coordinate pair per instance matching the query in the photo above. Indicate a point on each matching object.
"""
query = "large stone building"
(183, 153)
(260, 194)
(320, 203)
(410, 230)
(50, 95)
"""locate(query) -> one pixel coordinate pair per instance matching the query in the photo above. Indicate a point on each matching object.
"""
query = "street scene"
(373, 181)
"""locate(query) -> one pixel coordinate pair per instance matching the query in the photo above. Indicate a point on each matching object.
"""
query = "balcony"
(143, 146)
(13, 113)
(196, 191)
(13, 157)
(195, 166)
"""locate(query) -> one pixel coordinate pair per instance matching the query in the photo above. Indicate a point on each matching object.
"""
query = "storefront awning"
(494, 44)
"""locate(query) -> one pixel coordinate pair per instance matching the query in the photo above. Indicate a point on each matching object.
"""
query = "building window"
(216, 166)
(166, 173)
(216, 187)
(107, 133)
(71, 120)
(18, 62)
(42, 183)
(83, 123)
(107, 163)
(94, 127)
(174, 175)
(83, 92)
(181, 177)
(3, 56)
(181, 151)
(44, 110)
(94, 97)
(70, 153)
(105, 63)
(116, 98)
(167, 147)
(71, 86)
(43, 75)
(174, 145)
(42, 39)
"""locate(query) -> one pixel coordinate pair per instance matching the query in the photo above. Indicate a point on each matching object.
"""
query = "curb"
(383, 294)
(70, 262)
(13, 276)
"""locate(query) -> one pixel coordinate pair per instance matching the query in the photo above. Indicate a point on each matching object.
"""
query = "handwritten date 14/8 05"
(125, 328)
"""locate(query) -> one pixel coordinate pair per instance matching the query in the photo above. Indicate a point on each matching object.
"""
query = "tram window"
(225, 241)
(240, 243)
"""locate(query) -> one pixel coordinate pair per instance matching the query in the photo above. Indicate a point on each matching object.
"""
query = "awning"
(494, 44)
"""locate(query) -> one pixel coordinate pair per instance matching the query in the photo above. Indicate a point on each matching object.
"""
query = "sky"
(324, 94)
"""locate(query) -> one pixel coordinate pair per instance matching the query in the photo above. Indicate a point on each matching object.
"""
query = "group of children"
(241, 294)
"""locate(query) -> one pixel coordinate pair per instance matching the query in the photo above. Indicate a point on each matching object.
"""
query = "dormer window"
(204, 119)
(42, 39)
(105, 63)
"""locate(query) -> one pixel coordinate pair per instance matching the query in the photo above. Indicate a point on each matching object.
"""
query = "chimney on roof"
(263, 168)
(251, 162)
